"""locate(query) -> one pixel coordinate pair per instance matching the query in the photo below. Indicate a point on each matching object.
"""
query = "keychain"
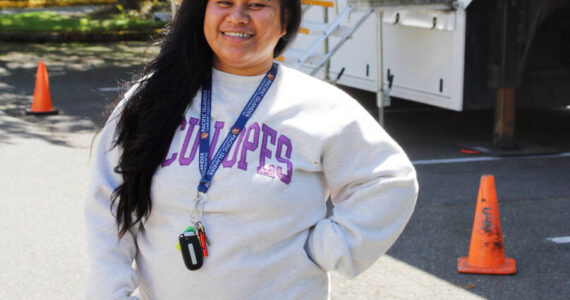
(204, 241)
(193, 242)
(193, 245)
(189, 245)
(197, 220)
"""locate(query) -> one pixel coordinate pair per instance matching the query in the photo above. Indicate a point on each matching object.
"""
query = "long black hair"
(165, 89)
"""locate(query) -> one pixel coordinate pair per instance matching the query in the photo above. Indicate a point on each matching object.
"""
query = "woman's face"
(243, 34)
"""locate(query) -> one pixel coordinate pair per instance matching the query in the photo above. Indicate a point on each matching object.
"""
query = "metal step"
(292, 57)
(341, 41)
(317, 28)
(311, 56)
(321, 38)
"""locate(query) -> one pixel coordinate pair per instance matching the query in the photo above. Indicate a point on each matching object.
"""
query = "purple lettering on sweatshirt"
(183, 124)
(172, 158)
(218, 127)
(184, 161)
(269, 169)
(247, 145)
(230, 163)
(169, 161)
(283, 140)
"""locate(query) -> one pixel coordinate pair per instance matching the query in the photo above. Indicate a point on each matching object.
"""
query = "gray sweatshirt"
(265, 210)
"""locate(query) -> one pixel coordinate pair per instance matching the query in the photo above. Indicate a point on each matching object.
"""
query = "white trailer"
(458, 55)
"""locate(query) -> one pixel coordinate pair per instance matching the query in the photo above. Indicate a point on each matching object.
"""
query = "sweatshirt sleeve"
(373, 188)
(111, 258)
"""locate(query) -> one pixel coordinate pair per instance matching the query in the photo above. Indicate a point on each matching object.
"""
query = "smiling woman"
(236, 155)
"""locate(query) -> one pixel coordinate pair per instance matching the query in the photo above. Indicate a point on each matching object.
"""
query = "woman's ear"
(284, 24)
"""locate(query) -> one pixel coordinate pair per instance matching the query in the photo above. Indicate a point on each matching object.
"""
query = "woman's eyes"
(257, 5)
(253, 5)
(224, 3)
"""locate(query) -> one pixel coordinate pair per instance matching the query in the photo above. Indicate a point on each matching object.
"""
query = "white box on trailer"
(423, 49)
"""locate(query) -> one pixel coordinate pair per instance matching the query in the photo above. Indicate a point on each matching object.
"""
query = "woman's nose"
(238, 14)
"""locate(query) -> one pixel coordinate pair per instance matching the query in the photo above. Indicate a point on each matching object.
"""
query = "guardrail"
(45, 3)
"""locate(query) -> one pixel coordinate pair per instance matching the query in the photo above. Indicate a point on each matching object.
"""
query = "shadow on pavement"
(533, 197)
(11, 128)
(76, 72)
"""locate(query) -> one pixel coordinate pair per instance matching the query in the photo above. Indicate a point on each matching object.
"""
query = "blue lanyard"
(208, 170)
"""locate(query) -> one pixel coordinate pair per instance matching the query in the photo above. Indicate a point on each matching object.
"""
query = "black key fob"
(191, 250)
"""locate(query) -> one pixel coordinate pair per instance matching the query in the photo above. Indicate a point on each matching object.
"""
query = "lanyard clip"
(198, 206)
(201, 196)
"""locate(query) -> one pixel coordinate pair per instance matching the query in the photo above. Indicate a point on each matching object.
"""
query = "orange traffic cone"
(42, 99)
(486, 252)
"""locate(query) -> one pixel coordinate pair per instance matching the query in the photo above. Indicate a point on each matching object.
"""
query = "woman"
(295, 142)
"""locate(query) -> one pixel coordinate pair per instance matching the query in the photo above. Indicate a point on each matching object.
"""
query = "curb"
(74, 36)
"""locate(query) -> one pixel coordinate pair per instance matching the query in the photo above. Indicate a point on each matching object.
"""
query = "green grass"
(53, 22)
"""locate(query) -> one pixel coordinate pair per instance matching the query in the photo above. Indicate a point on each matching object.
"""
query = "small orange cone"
(42, 99)
(486, 252)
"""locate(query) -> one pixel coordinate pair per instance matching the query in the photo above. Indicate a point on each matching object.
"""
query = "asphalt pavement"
(46, 161)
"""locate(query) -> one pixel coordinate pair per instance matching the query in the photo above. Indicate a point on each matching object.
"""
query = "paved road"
(46, 169)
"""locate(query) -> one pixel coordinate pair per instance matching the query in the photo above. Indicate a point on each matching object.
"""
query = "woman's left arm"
(373, 188)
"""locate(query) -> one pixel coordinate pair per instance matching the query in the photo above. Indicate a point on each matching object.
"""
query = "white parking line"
(479, 159)
(560, 239)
